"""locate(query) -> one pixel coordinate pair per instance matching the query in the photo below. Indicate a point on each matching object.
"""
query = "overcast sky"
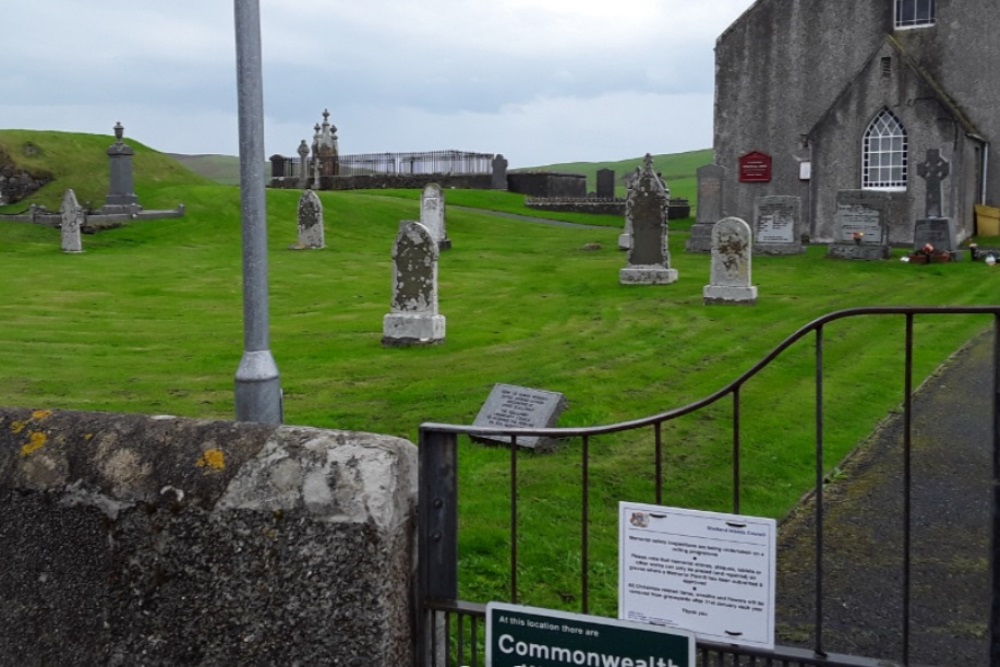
(541, 81)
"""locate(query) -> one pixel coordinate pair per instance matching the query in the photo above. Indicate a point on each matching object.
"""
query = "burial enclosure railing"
(452, 631)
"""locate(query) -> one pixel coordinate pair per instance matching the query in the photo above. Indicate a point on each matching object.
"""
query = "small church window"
(914, 13)
(884, 153)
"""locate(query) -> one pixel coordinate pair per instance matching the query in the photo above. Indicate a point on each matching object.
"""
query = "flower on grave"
(858, 236)
(928, 249)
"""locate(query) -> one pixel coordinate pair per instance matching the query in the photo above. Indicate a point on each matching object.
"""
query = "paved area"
(951, 514)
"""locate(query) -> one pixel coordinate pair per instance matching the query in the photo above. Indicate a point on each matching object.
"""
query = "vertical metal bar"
(736, 450)
(475, 642)
(658, 434)
(513, 519)
(995, 552)
(907, 481)
(461, 638)
(819, 492)
(257, 383)
(437, 548)
(585, 529)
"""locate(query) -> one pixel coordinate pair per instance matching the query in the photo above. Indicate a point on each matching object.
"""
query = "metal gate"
(451, 631)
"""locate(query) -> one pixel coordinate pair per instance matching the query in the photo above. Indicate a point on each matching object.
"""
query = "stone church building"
(815, 97)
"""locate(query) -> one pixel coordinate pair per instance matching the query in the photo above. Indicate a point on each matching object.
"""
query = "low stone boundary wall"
(128, 539)
(679, 207)
(394, 181)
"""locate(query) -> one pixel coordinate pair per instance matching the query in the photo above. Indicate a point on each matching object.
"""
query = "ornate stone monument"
(326, 151)
(710, 207)
(311, 232)
(414, 319)
(72, 220)
(432, 214)
(731, 257)
(121, 196)
(646, 208)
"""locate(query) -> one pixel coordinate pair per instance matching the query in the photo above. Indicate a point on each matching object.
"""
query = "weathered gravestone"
(499, 178)
(303, 152)
(606, 183)
(509, 406)
(777, 225)
(710, 207)
(72, 221)
(933, 229)
(432, 214)
(731, 257)
(311, 234)
(646, 210)
(414, 318)
(860, 227)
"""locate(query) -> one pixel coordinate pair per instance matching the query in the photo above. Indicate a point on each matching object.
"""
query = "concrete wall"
(131, 540)
(783, 64)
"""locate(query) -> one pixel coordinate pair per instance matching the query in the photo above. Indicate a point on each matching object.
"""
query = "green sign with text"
(530, 637)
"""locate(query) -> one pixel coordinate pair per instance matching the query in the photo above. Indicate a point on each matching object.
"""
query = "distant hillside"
(223, 169)
(80, 162)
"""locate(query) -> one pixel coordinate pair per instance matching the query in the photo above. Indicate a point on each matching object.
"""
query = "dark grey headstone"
(646, 216)
(509, 406)
(710, 207)
(499, 180)
(934, 169)
(939, 232)
(863, 213)
(121, 196)
(606, 183)
(777, 225)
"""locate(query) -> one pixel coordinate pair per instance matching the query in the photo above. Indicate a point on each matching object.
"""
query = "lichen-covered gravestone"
(311, 234)
(432, 214)
(72, 220)
(731, 256)
(646, 209)
(414, 318)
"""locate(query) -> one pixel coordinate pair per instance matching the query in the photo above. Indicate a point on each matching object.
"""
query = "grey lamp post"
(258, 387)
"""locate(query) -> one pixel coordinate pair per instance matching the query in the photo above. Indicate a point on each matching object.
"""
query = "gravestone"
(311, 234)
(605, 184)
(625, 238)
(710, 207)
(413, 318)
(72, 221)
(509, 406)
(777, 225)
(934, 229)
(731, 256)
(646, 209)
(121, 196)
(499, 179)
(432, 214)
(303, 165)
(859, 223)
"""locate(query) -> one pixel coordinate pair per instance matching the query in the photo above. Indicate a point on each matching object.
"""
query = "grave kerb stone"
(510, 406)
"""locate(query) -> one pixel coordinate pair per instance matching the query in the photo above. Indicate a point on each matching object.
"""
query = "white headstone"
(414, 318)
(72, 220)
(731, 255)
(432, 214)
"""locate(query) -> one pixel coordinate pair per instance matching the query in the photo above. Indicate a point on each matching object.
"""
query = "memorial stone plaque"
(860, 225)
(939, 232)
(510, 406)
(776, 225)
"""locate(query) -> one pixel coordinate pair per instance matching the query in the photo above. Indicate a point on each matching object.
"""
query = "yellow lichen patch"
(212, 458)
(39, 415)
(17, 427)
(36, 441)
(88, 436)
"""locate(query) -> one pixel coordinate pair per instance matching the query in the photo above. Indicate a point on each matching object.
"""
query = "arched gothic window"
(883, 154)
(913, 13)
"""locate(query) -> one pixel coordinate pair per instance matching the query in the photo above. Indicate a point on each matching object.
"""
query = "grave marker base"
(647, 275)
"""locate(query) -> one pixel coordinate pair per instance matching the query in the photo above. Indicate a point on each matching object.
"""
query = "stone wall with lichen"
(128, 539)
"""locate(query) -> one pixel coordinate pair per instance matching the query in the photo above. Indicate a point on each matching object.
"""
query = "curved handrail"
(734, 385)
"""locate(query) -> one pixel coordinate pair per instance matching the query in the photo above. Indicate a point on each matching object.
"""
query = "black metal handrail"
(438, 553)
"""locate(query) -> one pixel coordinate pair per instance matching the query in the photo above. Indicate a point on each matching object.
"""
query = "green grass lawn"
(149, 320)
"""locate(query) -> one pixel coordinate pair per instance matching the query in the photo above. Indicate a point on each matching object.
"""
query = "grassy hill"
(223, 169)
(149, 320)
(80, 162)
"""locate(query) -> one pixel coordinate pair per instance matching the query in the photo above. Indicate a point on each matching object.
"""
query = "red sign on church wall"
(755, 167)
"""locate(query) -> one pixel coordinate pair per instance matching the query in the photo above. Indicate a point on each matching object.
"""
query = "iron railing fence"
(457, 163)
(451, 631)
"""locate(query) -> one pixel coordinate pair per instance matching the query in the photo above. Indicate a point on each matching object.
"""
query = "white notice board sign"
(707, 572)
